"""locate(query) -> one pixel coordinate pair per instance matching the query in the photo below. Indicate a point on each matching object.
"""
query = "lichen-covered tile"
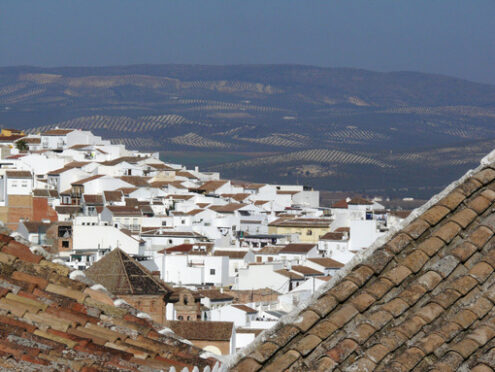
(429, 312)
(464, 318)
(324, 304)
(376, 353)
(416, 228)
(283, 335)
(247, 365)
(481, 271)
(342, 315)
(323, 329)
(479, 204)
(469, 186)
(464, 250)
(379, 318)
(343, 290)
(397, 274)
(429, 280)
(435, 214)
(282, 361)
(485, 176)
(480, 236)
(306, 320)
(399, 242)
(429, 343)
(452, 200)
(360, 275)
(379, 287)
(342, 350)
(447, 231)
(464, 217)
(431, 246)
(379, 259)
(412, 293)
(264, 351)
(465, 347)
(482, 334)
(415, 260)
(362, 332)
(362, 301)
(446, 297)
(396, 307)
(306, 344)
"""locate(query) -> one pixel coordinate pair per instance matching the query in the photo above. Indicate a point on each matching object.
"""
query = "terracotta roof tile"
(47, 319)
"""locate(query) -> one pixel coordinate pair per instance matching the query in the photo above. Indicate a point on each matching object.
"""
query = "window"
(212, 271)
(258, 259)
(270, 259)
(65, 244)
(170, 241)
(309, 232)
(164, 223)
(180, 317)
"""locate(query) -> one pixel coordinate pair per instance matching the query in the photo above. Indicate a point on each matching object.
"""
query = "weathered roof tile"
(448, 231)
(435, 214)
(342, 350)
(420, 301)
(479, 204)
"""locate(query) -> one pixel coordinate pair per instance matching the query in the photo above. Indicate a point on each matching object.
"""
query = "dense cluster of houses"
(179, 244)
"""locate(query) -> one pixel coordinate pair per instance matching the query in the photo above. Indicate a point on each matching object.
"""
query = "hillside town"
(216, 261)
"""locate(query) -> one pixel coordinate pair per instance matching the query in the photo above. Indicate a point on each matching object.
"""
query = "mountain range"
(394, 134)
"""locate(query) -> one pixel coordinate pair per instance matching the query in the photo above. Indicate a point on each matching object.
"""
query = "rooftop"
(50, 322)
(122, 275)
(421, 298)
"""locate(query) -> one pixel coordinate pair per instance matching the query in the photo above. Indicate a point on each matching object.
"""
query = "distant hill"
(397, 133)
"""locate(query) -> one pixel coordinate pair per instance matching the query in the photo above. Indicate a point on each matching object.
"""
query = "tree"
(21, 145)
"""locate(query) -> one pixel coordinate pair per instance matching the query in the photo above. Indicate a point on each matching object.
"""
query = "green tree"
(21, 145)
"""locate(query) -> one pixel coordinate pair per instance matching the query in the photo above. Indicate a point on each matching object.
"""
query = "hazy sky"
(450, 37)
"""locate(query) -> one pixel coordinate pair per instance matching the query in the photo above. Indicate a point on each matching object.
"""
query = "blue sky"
(450, 37)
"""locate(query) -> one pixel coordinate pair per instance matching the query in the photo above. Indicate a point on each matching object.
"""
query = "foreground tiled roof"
(420, 299)
(49, 322)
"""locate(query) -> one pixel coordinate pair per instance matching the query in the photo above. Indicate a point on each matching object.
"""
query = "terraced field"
(339, 129)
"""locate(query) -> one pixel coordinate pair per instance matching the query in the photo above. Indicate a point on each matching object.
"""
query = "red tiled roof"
(340, 204)
(227, 208)
(51, 322)
(301, 222)
(289, 274)
(297, 248)
(327, 262)
(245, 308)
(123, 210)
(57, 132)
(231, 254)
(215, 295)
(305, 270)
(183, 248)
(360, 201)
(335, 235)
(19, 174)
(211, 186)
(85, 180)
